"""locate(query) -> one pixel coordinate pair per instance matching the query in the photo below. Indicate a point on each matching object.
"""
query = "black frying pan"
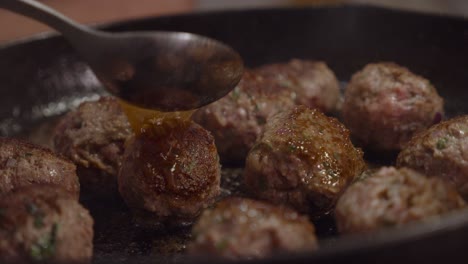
(42, 78)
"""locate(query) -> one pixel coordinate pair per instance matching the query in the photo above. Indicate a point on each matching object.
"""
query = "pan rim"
(48, 35)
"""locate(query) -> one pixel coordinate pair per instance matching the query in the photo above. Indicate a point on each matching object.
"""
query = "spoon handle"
(46, 15)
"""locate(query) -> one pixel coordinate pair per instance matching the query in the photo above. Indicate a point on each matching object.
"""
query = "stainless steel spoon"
(167, 71)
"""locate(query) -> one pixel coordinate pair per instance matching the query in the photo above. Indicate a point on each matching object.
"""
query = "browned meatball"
(441, 151)
(385, 105)
(44, 223)
(238, 119)
(23, 163)
(304, 159)
(393, 197)
(170, 177)
(314, 84)
(244, 228)
(93, 137)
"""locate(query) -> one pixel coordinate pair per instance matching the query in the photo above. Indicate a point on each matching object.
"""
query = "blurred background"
(100, 11)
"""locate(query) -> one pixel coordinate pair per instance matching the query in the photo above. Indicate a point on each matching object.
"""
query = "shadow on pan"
(42, 78)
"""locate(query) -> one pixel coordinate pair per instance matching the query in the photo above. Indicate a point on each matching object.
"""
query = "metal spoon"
(167, 71)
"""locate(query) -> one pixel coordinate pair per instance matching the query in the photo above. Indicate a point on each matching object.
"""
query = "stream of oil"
(154, 123)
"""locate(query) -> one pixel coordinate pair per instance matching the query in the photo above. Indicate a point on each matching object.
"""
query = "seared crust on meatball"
(93, 137)
(173, 176)
(313, 82)
(304, 159)
(441, 151)
(386, 104)
(393, 197)
(244, 228)
(238, 119)
(44, 223)
(23, 163)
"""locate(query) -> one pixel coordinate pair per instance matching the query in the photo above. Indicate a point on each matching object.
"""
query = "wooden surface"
(13, 26)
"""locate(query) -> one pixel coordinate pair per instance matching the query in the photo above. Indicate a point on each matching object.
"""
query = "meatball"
(93, 137)
(23, 163)
(171, 177)
(304, 159)
(313, 82)
(393, 197)
(244, 228)
(441, 151)
(238, 119)
(44, 223)
(386, 104)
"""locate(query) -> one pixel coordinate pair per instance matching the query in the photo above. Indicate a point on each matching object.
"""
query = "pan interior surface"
(43, 78)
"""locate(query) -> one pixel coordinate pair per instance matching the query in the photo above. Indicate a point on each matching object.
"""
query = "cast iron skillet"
(42, 78)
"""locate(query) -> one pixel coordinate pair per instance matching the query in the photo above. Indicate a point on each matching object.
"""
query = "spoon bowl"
(165, 71)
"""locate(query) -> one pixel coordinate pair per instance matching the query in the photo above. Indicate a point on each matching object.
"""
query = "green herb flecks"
(31, 208)
(441, 143)
(268, 146)
(262, 183)
(337, 155)
(256, 107)
(37, 213)
(263, 146)
(235, 94)
(292, 148)
(38, 221)
(222, 245)
(261, 120)
(190, 167)
(45, 247)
